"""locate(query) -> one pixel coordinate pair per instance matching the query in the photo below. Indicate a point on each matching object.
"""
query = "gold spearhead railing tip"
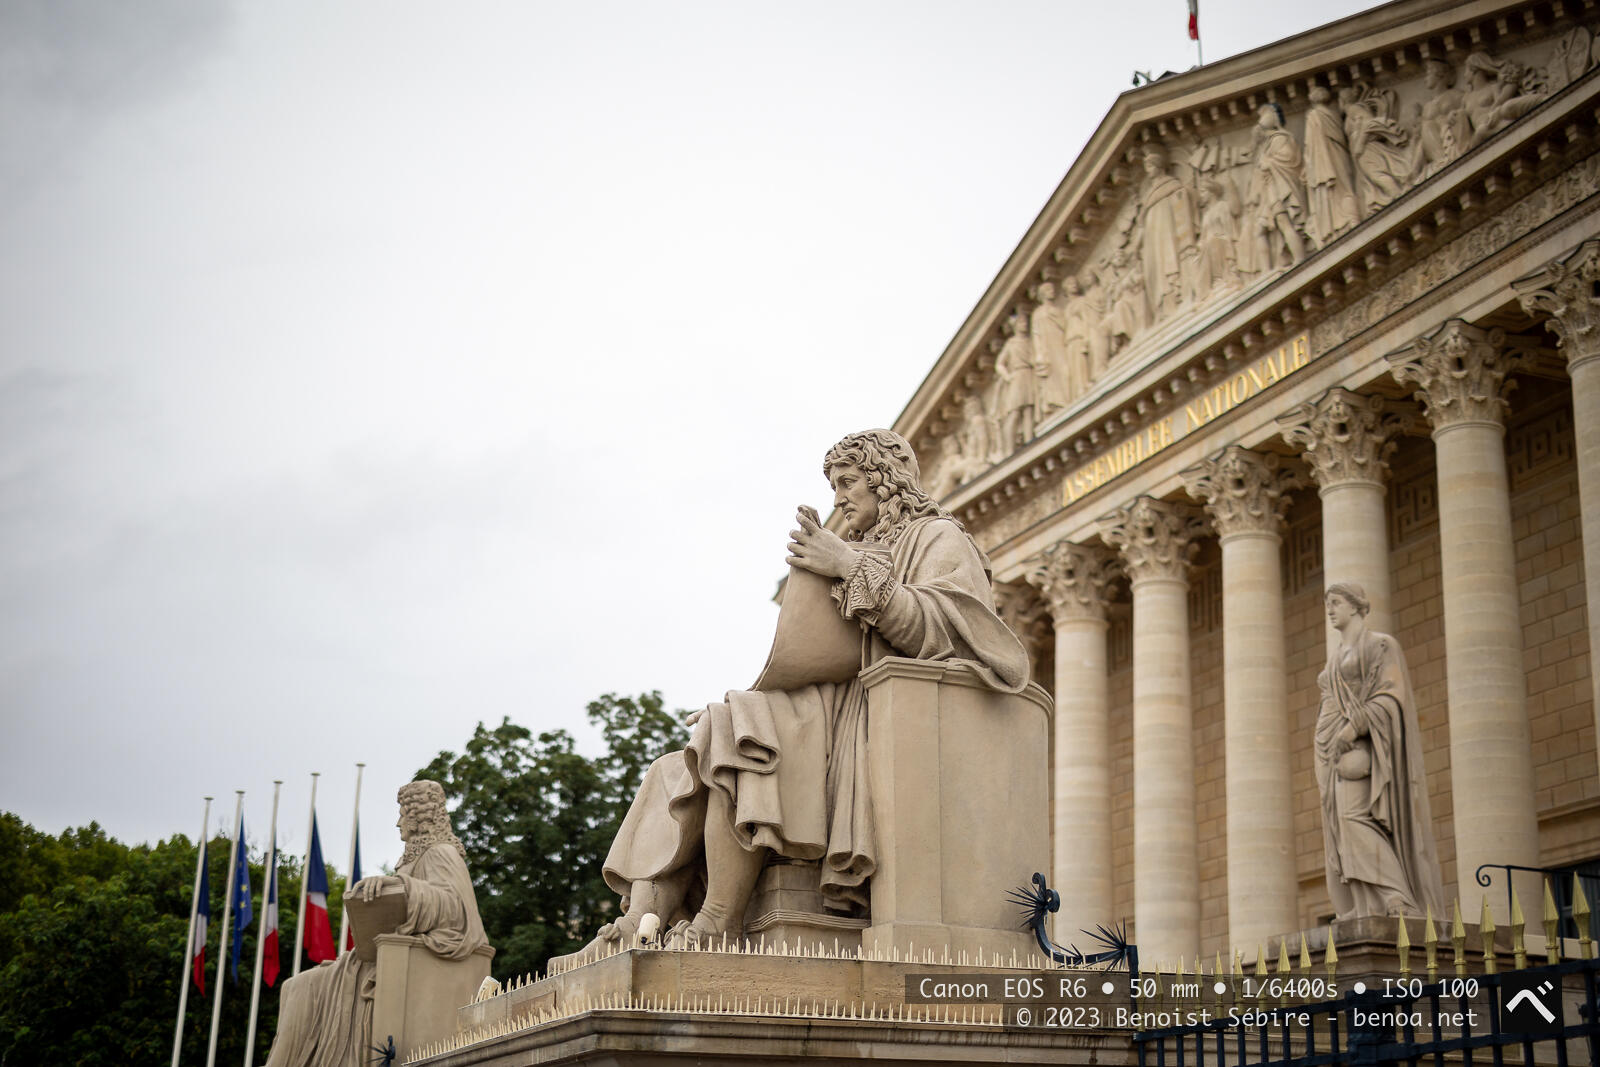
(1283, 956)
(1330, 958)
(1238, 964)
(1261, 960)
(1486, 935)
(1580, 916)
(1402, 948)
(1305, 954)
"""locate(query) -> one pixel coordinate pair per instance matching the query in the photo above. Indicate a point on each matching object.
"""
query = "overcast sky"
(368, 370)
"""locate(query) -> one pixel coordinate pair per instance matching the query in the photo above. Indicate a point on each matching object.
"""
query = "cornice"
(1460, 197)
(1381, 46)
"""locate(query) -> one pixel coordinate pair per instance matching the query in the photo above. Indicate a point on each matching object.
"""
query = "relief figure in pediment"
(1019, 386)
(1332, 207)
(1570, 60)
(1498, 93)
(1129, 310)
(1275, 210)
(1217, 265)
(1385, 156)
(1442, 128)
(1051, 365)
(1088, 344)
(1168, 237)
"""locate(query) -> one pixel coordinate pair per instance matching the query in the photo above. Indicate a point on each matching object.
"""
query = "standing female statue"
(786, 772)
(1375, 821)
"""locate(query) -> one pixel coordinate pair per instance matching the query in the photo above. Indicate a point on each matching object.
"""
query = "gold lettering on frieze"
(1209, 406)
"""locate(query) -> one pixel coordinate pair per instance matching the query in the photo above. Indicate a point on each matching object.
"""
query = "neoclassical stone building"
(1325, 311)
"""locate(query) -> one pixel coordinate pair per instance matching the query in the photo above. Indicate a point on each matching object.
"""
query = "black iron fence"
(1457, 1020)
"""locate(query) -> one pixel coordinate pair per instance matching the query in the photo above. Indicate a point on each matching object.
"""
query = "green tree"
(92, 939)
(536, 817)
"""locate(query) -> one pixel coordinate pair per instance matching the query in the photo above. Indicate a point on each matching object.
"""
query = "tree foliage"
(92, 937)
(93, 932)
(536, 817)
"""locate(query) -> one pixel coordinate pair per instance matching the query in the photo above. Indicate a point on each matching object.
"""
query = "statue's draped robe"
(1377, 829)
(325, 1015)
(794, 763)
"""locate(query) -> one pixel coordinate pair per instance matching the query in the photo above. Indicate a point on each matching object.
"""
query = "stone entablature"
(1462, 217)
(1168, 141)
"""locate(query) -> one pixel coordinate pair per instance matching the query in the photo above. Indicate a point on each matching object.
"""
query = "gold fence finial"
(1486, 935)
(1283, 969)
(1580, 916)
(1261, 960)
(1552, 926)
(1458, 937)
(1519, 948)
(1402, 947)
(1330, 958)
(1305, 955)
(1238, 964)
(1430, 941)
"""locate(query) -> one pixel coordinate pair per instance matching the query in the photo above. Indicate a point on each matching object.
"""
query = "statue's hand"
(693, 717)
(818, 549)
(372, 888)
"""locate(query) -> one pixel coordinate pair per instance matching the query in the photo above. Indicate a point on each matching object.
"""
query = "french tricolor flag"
(197, 927)
(269, 942)
(355, 876)
(318, 934)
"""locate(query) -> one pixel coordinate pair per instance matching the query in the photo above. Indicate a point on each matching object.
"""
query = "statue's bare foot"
(624, 929)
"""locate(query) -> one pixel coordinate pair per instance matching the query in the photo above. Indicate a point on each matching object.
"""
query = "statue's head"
(884, 491)
(1438, 74)
(1354, 597)
(424, 819)
(1047, 291)
(1155, 160)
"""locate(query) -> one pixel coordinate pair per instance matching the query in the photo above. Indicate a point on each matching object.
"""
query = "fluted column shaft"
(1073, 580)
(1156, 541)
(1244, 495)
(1460, 372)
(1564, 291)
(1345, 438)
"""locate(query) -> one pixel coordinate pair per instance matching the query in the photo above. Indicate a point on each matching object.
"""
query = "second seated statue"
(785, 772)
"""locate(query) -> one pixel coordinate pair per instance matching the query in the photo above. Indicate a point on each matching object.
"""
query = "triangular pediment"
(1220, 225)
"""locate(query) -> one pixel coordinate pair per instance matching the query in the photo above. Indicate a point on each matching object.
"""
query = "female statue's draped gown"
(1376, 825)
(793, 763)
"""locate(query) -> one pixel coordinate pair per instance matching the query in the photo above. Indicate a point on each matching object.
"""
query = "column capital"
(1073, 579)
(1156, 538)
(1019, 607)
(1564, 290)
(1244, 491)
(1459, 372)
(1345, 436)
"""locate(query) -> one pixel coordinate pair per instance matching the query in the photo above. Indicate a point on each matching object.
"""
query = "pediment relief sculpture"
(1213, 216)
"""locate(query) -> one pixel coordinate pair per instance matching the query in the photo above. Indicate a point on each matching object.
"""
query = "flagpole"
(227, 914)
(188, 955)
(305, 880)
(350, 862)
(261, 927)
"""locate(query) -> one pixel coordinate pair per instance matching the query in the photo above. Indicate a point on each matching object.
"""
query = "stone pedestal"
(960, 804)
(786, 910)
(417, 993)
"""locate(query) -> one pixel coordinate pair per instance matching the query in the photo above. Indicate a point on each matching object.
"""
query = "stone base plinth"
(786, 910)
(643, 1006)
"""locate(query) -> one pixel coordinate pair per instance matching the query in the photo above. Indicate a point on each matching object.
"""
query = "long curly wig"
(425, 801)
(894, 477)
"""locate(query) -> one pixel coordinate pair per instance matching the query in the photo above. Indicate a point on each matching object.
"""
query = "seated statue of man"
(325, 1014)
(786, 772)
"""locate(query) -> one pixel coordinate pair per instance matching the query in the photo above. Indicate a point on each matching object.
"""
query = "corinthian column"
(1073, 579)
(1156, 540)
(1245, 496)
(1345, 438)
(1459, 372)
(1565, 291)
